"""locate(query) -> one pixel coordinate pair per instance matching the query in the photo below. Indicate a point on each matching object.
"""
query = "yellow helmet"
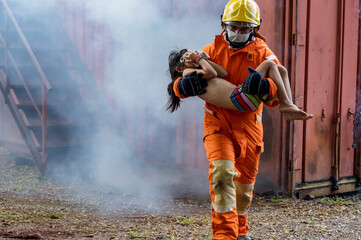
(246, 11)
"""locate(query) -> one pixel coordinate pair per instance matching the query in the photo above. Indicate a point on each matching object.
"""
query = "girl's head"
(176, 68)
(180, 60)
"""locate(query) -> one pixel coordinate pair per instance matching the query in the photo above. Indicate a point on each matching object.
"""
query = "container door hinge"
(298, 39)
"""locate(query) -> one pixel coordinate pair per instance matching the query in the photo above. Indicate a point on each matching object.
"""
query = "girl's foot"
(292, 112)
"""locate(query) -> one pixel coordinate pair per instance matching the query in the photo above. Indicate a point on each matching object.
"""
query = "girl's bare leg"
(290, 110)
(284, 75)
(218, 93)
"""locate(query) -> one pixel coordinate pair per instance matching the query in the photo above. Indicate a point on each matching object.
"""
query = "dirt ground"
(33, 207)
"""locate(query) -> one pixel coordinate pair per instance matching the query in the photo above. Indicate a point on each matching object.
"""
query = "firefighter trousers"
(231, 181)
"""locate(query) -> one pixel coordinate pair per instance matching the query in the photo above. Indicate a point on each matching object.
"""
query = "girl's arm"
(221, 72)
(206, 68)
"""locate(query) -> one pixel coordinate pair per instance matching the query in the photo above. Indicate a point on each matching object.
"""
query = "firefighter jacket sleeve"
(175, 88)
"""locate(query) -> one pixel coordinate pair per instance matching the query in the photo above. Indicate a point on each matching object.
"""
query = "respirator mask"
(238, 40)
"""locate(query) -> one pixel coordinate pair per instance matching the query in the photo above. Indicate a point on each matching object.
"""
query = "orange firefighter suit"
(234, 140)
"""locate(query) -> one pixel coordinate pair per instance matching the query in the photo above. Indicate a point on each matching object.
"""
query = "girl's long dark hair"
(174, 62)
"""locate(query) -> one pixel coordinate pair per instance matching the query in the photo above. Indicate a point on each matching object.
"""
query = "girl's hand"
(191, 56)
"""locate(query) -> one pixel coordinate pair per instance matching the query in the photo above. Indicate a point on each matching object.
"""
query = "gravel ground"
(34, 207)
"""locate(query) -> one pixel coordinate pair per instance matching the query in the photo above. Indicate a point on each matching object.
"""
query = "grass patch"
(18, 188)
(337, 200)
(184, 221)
(278, 200)
(54, 216)
(136, 234)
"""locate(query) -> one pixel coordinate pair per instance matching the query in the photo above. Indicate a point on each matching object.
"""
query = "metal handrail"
(27, 46)
(45, 83)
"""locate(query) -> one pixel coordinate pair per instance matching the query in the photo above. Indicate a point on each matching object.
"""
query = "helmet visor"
(240, 24)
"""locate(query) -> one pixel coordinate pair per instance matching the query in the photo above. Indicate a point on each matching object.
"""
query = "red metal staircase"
(42, 80)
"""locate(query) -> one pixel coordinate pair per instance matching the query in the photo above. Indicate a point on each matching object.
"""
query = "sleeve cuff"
(175, 88)
(272, 94)
(272, 91)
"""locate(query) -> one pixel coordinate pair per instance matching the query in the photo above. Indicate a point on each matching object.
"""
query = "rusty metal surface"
(348, 92)
(320, 90)
(326, 68)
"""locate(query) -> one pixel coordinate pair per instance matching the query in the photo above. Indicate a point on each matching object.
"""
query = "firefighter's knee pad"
(244, 195)
(245, 102)
(222, 185)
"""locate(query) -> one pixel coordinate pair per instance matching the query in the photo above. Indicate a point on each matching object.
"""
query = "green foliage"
(54, 216)
(18, 217)
(278, 200)
(337, 200)
(136, 234)
(184, 220)
(18, 187)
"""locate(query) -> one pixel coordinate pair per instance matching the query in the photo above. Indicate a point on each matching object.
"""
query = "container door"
(320, 88)
(325, 72)
(348, 86)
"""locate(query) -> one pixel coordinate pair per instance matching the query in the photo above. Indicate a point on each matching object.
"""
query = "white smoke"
(143, 38)
(142, 33)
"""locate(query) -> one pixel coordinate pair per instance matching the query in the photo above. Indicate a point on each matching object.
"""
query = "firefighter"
(233, 139)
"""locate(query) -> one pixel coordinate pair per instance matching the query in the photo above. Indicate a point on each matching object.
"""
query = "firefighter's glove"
(255, 84)
(192, 84)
